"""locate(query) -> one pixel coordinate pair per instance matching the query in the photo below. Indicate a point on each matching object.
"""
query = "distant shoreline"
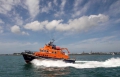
(83, 53)
(69, 54)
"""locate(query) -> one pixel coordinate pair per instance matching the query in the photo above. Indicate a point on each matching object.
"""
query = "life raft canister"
(58, 48)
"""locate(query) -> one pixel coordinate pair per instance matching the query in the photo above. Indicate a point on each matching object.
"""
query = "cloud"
(83, 23)
(114, 9)
(8, 8)
(77, 3)
(1, 29)
(55, 2)
(76, 13)
(98, 40)
(46, 9)
(80, 24)
(61, 12)
(103, 44)
(63, 4)
(16, 29)
(7, 5)
(25, 33)
(78, 10)
(17, 19)
(1, 22)
(53, 24)
(33, 7)
(35, 25)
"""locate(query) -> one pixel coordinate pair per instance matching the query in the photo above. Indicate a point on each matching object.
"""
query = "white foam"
(112, 62)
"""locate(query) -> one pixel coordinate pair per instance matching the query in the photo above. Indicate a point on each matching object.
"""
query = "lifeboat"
(49, 51)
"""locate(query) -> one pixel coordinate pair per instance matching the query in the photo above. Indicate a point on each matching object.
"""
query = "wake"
(112, 62)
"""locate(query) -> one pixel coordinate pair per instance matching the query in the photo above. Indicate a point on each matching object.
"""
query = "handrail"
(65, 49)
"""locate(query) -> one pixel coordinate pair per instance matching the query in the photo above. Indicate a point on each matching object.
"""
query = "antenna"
(53, 40)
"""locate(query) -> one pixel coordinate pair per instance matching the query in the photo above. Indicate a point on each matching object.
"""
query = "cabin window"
(44, 50)
(54, 52)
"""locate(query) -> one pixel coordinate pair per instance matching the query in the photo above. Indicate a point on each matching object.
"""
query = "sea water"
(85, 66)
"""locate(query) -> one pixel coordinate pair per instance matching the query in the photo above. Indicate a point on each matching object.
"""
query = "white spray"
(112, 62)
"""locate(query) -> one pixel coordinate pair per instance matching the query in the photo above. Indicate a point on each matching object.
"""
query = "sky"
(79, 25)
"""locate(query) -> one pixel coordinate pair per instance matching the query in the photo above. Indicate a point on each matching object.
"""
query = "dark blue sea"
(85, 66)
